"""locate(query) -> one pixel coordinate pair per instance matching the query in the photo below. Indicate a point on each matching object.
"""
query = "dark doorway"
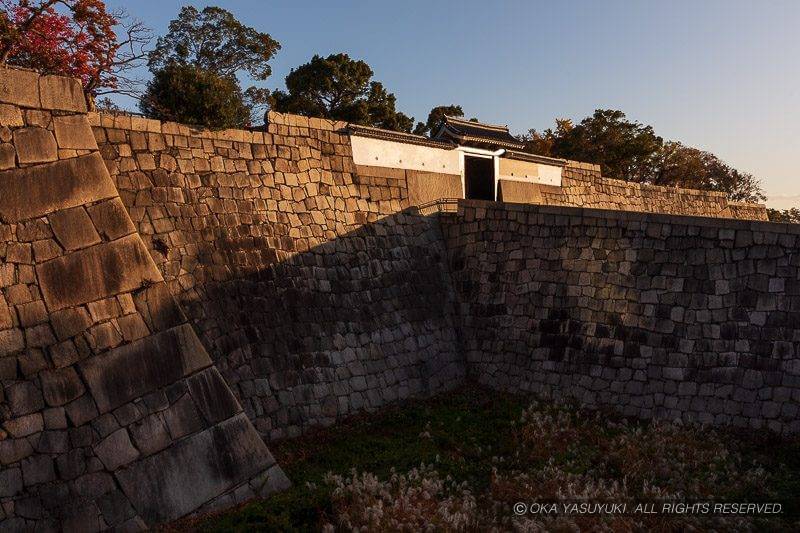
(478, 178)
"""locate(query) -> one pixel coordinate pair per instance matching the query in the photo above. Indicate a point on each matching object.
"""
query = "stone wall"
(660, 316)
(316, 292)
(583, 186)
(111, 412)
(167, 294)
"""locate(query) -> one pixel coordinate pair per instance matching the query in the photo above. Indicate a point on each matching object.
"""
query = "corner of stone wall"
(112, 413)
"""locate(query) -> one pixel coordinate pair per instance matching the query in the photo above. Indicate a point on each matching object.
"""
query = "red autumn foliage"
(68, 37)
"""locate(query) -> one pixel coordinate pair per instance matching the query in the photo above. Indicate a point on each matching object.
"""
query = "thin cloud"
(783, 197)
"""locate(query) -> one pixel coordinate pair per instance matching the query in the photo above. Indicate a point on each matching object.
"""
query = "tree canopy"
(436, 116)
(624, 149)
(789, 216)
(340, 88)
(202, 54)
(213, 40)
(684, 166)
(632, 151)
(193, 95)
(73, 38)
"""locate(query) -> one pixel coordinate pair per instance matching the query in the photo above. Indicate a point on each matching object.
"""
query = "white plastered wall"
(512, 169)
(382, 153)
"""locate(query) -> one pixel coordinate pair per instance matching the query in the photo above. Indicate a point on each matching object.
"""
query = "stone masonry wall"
(583, 186)
(111, 412)
(657, 315)
(316, 293)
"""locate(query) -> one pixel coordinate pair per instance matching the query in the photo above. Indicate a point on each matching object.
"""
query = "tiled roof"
(534, 158)
(397, 136)
(462, 131)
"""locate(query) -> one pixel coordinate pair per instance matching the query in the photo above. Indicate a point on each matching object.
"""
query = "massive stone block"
(73, 131)
(38, 190)
(99, 370)
(97, 272)
(19, 87)
(136, 369)
(65, 94)
(35, 145)
(519, 192)
(181, 478)
(10, 116)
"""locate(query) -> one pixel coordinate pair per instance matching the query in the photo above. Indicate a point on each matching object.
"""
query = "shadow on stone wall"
(657, 316)
(349, 325)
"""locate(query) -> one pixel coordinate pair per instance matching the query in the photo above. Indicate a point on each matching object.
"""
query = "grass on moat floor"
(484, 451)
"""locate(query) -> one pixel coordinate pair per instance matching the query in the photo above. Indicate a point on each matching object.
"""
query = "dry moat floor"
(462, 460)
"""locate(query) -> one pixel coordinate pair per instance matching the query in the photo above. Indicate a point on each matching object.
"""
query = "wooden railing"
(442, 205)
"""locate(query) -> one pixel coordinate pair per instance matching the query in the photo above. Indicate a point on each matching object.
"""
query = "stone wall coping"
(27, 88)
(613, 182)
(583, 165)
(130, 122)
(634, 216)
(647, 187)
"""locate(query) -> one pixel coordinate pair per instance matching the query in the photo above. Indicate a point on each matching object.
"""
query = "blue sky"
(719, 75)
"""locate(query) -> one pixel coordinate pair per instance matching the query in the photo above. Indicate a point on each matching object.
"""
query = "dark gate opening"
(478, 178)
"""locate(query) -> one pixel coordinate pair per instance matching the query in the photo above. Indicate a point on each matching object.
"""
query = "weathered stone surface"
(267, 279)
(273, 480)
(65, 94)
(115, 508)
(69, 322)
(150, 435)
(74, 132)
(212, 396)
(73, 228)
(38, 469)
(19, 87)
(8, 156)
(111, 219)
(35, 191)
(10, 482)
(35, 145)
(14, 450)
(210, 462)
(133, 370)
(24, 398)
(182, 418)
(10, 116)
(82, 410)
(11, 341)
(159, 308)
(71, 464)
(116, 450)
(97, 272)
(66, 298)
(61, 386)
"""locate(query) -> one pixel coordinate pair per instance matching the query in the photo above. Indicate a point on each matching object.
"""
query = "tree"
(542, 143)
(624, 149)
(684, 166)
(213, 40)
(436, 116)
(192, 95)
(789, 216)
(77, 39)
(632, 151)
(215, 45)
(339, 88)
